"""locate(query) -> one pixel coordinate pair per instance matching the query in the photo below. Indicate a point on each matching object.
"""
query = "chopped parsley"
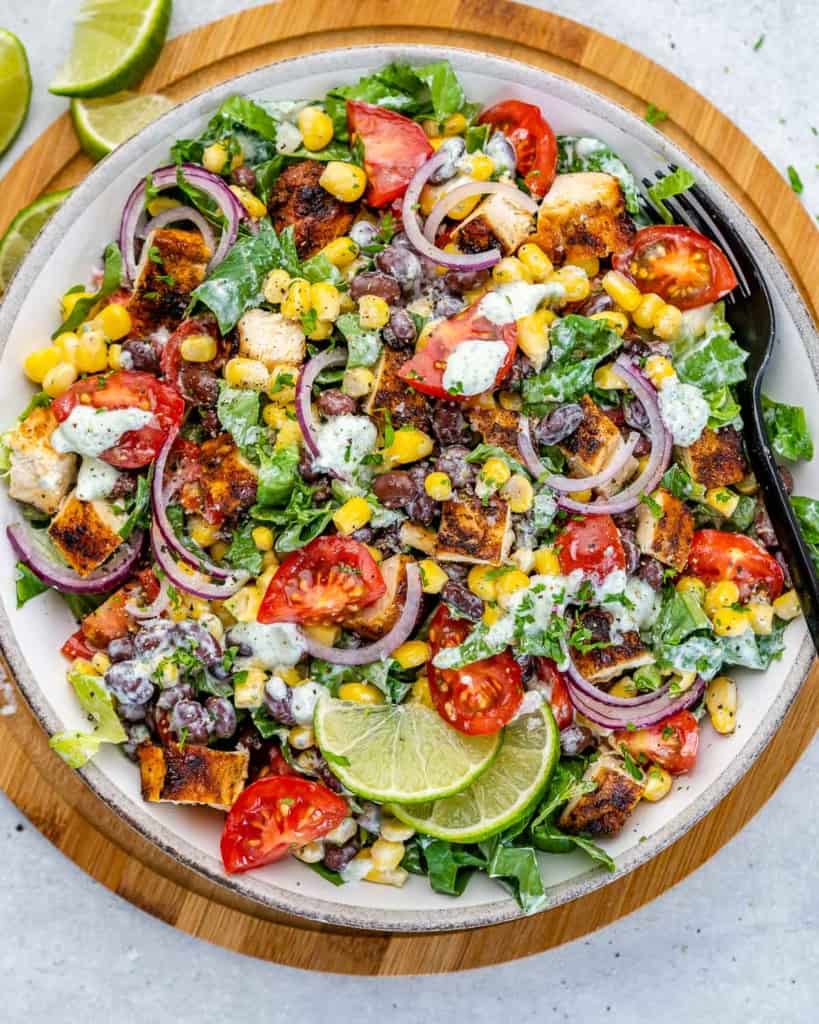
(795, 180)
(654, 115)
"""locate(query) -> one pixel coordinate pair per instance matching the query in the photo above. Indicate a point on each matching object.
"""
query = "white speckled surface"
(739, 935)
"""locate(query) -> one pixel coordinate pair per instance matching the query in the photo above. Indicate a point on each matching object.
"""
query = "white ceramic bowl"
(72, 243)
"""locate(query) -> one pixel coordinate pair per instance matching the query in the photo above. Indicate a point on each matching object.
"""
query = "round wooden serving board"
(57, 801)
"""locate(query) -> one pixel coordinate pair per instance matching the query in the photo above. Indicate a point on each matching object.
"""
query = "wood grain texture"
(58, 802)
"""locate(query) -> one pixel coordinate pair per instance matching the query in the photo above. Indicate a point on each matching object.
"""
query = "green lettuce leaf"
(680, 615)
(673, 184)
(712, 360)
(277, 476)
(243, 553)
(788, 429)
(75, 747)
(238, 412)
(27, 584)
(111, 280)
(363, 346)
(578, 344)
(807, 513)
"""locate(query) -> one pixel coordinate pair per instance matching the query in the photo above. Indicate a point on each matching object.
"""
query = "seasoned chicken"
(226, 484)
(39, 475)
(474, 531)
(594, 442)
(715, 459)
(192, 774)
(85, 533)
(604, 811)
(606, 663)
(406, 406)
(317, 218)
(665, 529)
(497, 222)
(271, 338)
(582, 215)
(498, 427)
(173, 263)
(379, 618)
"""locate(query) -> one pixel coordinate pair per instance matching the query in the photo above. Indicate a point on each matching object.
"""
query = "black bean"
(596, 303)
(763, 527)
(363, 233)
(449, 424)
(522, 367)
(334, 402)
(306, 470)
(364, 535)
(325, 773)
(400, 332)
(129, 683)
(394, 489)
(559, 424)
(448, 305)
(452, 461)
(625, 520)
(464, 602)
(388, 540)
(223, 715)
(244, 177)
(199, 383)
(651, 572)
(786, 572)
(373, 282)
(455, 149)
(574, 739)
(420, 507)
(131, 712)
(279, 705)
(630, 549)
(142, 355)
(502, 152)
(173, 694)
(401, 264)
(460, 281)
(189, 718)
(338, 857)
(121, 648)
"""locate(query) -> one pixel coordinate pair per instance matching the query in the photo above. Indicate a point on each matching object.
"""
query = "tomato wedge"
(591, 544)
(77, 646)
(275, 814)
(128, 389)
(555, 680)
(672, 743)
(394, 149)
(170, 361)
(533, 140)
(425, 370)
(679, 264)
(720, 555)
(479, 698)
(323, 582)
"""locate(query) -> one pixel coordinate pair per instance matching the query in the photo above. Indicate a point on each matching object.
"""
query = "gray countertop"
(737, 939)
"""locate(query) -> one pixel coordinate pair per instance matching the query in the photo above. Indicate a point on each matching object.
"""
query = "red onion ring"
(304, 394)
(531, 459)
(191, 585)
(155, 608)
(590, 691)
(620, 718)
(472, 188)
(108, 576)
(181, 213)
(457, 261)
(387, 644)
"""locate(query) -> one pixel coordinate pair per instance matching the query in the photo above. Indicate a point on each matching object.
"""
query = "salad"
(392, 468)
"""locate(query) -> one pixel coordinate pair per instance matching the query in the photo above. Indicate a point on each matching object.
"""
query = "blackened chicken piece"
(299, 201)
(173, 263)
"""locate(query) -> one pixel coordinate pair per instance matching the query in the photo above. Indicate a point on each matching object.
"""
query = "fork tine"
(731, 244)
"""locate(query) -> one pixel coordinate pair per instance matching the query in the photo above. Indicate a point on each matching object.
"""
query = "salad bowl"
(32, 635)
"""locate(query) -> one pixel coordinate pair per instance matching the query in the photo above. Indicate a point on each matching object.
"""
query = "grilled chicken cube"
(173, 263)
(620, 478)
(271, 338)
(603, 664)
(594, 442)
(226, 485)
(666, 532)
(715, 459)
(299, 201)
(406, 406)
(604, 811)
(498, 427)
(583, 215)
(39, 475)
(86, 533)
(496, 223)
(379, 618)
(192, 774)
(474, 532)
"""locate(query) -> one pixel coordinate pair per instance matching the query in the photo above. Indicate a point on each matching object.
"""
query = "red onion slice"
(593, 693)
(531, 459)
(466, 191)
(583, 483)
(304, 394)
(155, 608)
(180, 213)
(387, 644)
(107, 577)
(194, 585)
(620, 718)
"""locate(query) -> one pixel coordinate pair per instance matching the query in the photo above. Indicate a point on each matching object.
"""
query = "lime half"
(399, 752)
(511, 787)
(23, 230)
(115, 42)
(15, 88)
(104, 123)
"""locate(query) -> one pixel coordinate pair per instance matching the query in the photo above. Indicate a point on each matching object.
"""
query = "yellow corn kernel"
(431, 129)
(433, 577)
(428, 199)
(214, 158)
(721, 702)
(495, 472)
(408, 445)
(510, 269)
(616, 321)
(275, 416)
(728, 622)
(787, 606)
(721, 595)
(691, 585)
(395, 831)
(647, 309)
(518, 492)
(254, 206)
(668, 322)
(326, 635)
(722, 500)
(341, 251)
(244, 604)
(455, 124)
(438, 486)
(70, 300)
(246, 373)
(683, 680)
(376, 554)
(607, 378)
(437, 143)
(760, 616)
(533, 335)
(373, 311)
(301, 737)
(249, 693)
(421, 538)
(546, 562)
(658, 369)
(510, 583)
(115, 320)
(357, 382)
(40, 361)
(412, 654)
(482, 581)
(657, 784)
(83, 666)
(322, 330)
(420, 691)
(491, 614)
(310, 853)
(584, 495)
(275, 287)
(198, 348)
(316, 128)
(535, 260)
(202, 532)
(263, 538)
(67, 344)
(481, 166)
(218, 550)
(290, 675)
(396, 877)
(352, 515)
(101, 662)
(574, 281)
(624, 292)
(326, 300)
(463, 209)
(115, 356)
(624, 687)
(511, 400)
(386, 855)
(590, 265)
(361, 693)
(92, 352)
(344, 181)
(289, 434)
(298, 299)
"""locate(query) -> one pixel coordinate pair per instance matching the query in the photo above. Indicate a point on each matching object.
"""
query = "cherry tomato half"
(672, 743)
(425, 370)
(719, 555)
(170, 361)
(479, 698)
(591, 544)
(532, 138)
(679, 264)
(323, 582)
(275, 814)
(128, 389)
(555, 680)
(394, 149)
(77, 646)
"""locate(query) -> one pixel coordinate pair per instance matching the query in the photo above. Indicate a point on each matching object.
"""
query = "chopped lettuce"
(111, 279)
(566, 784)
(586, 154)
(27, 584)
(277, 475)
(701, 654)
(712, 360)
(807, 513)
(237, 116)
(243, 553)
(77, 748)
(788, 429)
(363, 346)
(680, 616)
(723, 408)
(752, 651)
(238, 411)
(673, 184)
(578, 344)
(300, 520)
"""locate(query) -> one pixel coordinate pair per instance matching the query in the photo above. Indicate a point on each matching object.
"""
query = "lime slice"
(104, 123)
(115, 42)
(15, 88)
(23, 230)
(506, 792)
(399, 752)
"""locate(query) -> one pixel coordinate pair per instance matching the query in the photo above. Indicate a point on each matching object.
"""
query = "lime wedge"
(23, 230)
(506, 792)
(15, 88)
(399, 752)
(115, 42)
(104, 123)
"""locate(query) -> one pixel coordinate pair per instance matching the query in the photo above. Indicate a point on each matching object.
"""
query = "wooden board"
(58, 802)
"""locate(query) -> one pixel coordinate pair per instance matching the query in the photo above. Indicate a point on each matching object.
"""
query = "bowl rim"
(268, 894)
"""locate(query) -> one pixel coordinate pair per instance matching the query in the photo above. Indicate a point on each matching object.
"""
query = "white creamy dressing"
(288, 137)
(473, 366)
(356, 869)
(695, 321)
(684, 411)
(89, 431)
(303, 701)
(96, 479)
(510, 302)
(343, 442)
(274, 643)
(632, 603)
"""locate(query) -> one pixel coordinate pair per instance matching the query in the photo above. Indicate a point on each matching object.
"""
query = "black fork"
(750, 312)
